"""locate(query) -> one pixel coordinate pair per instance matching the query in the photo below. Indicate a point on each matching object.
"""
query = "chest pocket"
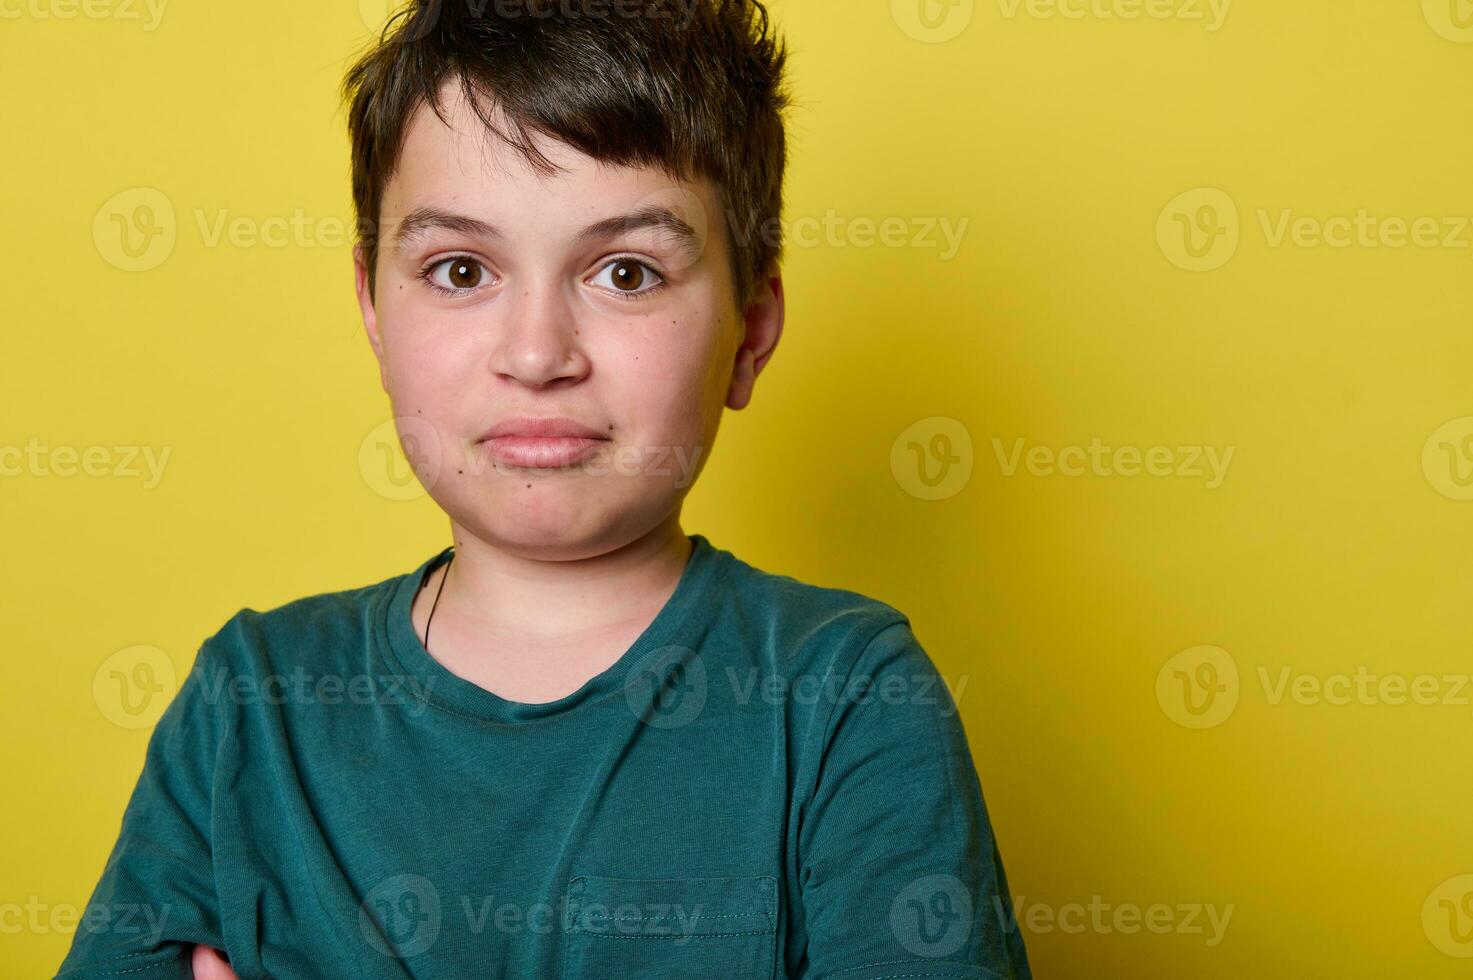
(670, 928)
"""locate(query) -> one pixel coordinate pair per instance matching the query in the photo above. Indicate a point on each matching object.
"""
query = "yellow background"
(1333, 543)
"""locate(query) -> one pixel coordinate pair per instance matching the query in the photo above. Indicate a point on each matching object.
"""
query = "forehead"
(459, 164)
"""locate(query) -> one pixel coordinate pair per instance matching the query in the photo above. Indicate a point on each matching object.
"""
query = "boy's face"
(503, 295)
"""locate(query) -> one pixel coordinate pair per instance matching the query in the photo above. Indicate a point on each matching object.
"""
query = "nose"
(537, 345)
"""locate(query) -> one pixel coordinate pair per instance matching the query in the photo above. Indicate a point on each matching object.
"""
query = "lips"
(542, 443)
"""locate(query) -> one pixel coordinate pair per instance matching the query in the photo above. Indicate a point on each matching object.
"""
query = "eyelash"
(427, 277)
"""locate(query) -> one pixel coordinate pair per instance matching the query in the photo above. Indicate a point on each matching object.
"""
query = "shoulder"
(846, 666)
(325, 631)
(812, 628)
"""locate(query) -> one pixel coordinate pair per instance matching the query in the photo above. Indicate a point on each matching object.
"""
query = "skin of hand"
(210, 964)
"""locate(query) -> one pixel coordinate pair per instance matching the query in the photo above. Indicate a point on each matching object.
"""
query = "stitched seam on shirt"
(871, 966)
(700, 935)
(671, 918)
(227, 735)
(987, 841)
(975, 971)
(120, 973)
(838, 700)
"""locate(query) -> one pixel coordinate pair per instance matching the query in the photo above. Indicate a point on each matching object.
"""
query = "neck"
(543, 601)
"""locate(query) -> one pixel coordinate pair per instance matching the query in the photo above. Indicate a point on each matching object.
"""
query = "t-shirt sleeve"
(900, 872)
(156, 897)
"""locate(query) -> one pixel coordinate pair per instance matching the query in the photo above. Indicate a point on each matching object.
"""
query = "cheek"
(420, 355)
(427, 405)
(665, 383)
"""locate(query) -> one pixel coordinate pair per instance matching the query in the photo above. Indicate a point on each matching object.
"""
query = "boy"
(578, 742)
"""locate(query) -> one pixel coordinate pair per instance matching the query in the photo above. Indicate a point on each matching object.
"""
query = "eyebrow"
(422, 220)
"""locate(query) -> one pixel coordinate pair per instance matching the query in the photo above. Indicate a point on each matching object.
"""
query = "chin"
(553, 522)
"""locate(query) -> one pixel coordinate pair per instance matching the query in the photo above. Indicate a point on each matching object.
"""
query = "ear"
(763, 327)
(370, 315)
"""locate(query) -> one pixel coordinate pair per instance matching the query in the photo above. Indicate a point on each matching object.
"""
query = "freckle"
(611, 428)
(529, 486)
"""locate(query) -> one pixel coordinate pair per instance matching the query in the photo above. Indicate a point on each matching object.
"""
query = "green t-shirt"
(773, 781)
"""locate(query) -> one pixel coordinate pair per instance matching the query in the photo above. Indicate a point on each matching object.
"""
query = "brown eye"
(630, 277)
(464, 275)
(459, 274)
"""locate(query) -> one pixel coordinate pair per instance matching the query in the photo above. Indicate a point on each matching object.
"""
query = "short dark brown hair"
(694, 87)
